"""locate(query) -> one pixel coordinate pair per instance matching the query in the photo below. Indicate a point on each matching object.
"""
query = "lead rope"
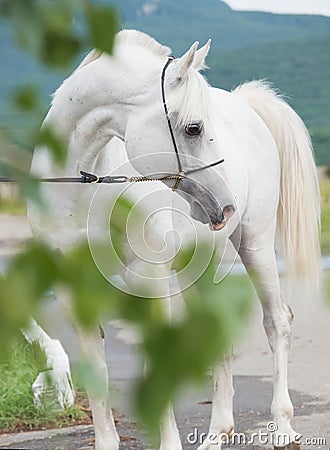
(90, 178)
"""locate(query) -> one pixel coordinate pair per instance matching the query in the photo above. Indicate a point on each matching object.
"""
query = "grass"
(17, 409)
(14, 207)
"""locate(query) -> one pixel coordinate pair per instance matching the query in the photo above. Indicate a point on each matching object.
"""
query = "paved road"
(309, 381)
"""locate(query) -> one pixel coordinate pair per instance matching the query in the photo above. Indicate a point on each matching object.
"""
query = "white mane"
(189, 100)
(137, 38)
(130, 37)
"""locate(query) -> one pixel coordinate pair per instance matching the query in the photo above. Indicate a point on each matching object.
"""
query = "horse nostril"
(225, 215)
(228, 211)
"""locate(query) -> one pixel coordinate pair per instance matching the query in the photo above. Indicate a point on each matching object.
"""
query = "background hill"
(178, 23)
(291, 51)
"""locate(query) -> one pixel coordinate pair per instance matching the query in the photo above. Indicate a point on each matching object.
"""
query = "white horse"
(170, 121)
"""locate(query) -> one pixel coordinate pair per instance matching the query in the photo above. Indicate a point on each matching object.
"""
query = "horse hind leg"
(54, 386)
(277, 324)
(260, 262)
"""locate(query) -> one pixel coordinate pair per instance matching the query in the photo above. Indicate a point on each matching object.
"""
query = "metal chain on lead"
(165, 178)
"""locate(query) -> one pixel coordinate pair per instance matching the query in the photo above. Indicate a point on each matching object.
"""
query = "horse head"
(171, 132)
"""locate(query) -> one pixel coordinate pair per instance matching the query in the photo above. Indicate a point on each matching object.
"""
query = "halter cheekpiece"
(181, 173)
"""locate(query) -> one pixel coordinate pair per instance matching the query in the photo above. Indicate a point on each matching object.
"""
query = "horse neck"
(93, 105)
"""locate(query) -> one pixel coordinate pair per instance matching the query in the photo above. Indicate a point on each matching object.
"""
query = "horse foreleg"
(169, 433)
(92, 346)
(222, 419)
(260, 262)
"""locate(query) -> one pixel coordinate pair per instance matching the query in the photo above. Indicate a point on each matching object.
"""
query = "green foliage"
(47, 29)
(37, 270)
(48, 137)
(102, 22)
(26, 98)
(40, 27)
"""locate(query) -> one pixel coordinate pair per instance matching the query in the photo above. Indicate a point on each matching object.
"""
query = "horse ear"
(200, 56)
(183, 64)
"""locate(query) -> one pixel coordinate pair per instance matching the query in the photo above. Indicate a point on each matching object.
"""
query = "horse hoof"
(292, 446)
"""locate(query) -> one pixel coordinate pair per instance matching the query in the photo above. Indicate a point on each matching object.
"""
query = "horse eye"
(193, 129)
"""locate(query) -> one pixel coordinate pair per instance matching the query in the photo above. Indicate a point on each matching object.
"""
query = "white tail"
(298, 217)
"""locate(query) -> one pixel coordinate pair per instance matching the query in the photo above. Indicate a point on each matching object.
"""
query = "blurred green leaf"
(48, 137)
(30, 190)
(57, 16)
(36, 268)
(50, 31)
(103, 24)
(59, 50)
(91, 292)
(27, 24)
(26, 98)
(30, 275)
(87, 375)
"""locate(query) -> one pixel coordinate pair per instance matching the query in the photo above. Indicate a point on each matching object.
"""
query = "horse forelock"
(188, 101)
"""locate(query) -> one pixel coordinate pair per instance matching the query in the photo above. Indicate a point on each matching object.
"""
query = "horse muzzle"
(227, 212)
(215, 216)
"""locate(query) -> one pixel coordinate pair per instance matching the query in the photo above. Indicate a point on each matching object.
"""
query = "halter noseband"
(181, 173)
